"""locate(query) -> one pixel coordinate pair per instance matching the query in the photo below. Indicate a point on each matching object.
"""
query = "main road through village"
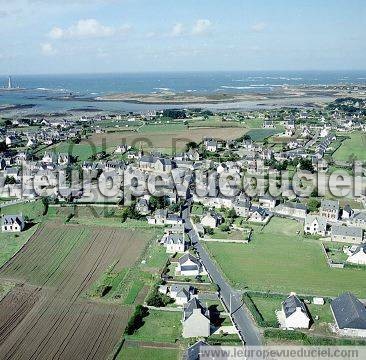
(249, 331)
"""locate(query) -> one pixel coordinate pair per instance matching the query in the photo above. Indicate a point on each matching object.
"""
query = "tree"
(306, 164)
(208, 230)
(313, 205)
(224, 227)
(136, 320)
(158, 299)
(232, 214)
(191, 145)
(9, 180)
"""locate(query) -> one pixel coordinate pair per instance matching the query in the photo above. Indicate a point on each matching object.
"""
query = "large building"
(12, 223)
(329, 209)
(350, 315)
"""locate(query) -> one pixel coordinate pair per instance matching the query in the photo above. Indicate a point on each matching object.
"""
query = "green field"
(278, 260)
(138, 353)
(33, 210)
(11, 243)
(261, 134)
(352, 148)
(160, 326)
(81, 151)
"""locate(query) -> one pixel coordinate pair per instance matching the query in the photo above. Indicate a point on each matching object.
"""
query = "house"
(12, 223)
(196, 320)
(211, 219)
(296, 314)
(347, 212)
(350, 315)
(174, 243)
(241, 205)
(315, 225)
(268, 124)
(291, 209)
(211, 145)
(188, 265)
(347, 234)
(180, 293)
(121, 149)
(194, 352)
(329, 209)
(63, 159)
(267, 201)
(49, 158)
(358, 256)
(258, 214)
(358, 219)
(142, 206)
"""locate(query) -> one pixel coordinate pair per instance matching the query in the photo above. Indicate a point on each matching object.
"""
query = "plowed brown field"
(46, 316)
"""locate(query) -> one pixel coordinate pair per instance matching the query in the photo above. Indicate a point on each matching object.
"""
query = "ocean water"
(45, 91)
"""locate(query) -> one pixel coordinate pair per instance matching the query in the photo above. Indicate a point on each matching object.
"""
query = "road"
(240, 315)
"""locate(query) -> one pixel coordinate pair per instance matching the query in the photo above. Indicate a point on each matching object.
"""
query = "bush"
(158, 299)
(136, 321)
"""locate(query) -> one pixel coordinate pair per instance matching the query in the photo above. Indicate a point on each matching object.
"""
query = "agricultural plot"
(278, 260)
(261, 134)
(50, 315)
(352, 148)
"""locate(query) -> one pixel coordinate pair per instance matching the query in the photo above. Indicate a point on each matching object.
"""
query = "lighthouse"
(9, 83)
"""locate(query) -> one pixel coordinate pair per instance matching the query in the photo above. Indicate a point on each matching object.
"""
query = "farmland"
(51, 316)
(276, 261)
(352, 148)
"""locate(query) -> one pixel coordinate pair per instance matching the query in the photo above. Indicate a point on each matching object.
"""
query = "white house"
(174, 243)
(180, 293)
(358, 257)
(211, 219)
(315, 225)
(296, 314)
(12, 223)
(196, 320)
(188, 265)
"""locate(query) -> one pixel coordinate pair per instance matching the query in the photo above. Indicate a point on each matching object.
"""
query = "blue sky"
(74, 36)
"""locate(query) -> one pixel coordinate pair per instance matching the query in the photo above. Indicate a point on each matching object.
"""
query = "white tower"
(9, 83)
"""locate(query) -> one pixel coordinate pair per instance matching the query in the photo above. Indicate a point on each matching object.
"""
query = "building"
(291, 209)
(180, 293)
(174, 243)
(347, 212)
(188, 265)
(12, 223)
(296, 314)
(347, 234)
(194, 352)
(315, 225)
(358, 256)
(350, 315)
(211, 219)
(196, 320)
(329, 209)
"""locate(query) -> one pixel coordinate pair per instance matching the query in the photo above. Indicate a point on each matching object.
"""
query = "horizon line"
(175, 72)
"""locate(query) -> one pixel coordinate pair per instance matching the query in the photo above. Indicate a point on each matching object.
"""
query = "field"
(261, 134)
(48, 315)
(147, 353)
(278, 260)
(352, 148)
(164, 137)
(33, 210)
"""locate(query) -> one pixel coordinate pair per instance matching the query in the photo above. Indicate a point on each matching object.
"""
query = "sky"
(99, 36)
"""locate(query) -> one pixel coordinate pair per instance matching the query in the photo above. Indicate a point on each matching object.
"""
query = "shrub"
(136, 320)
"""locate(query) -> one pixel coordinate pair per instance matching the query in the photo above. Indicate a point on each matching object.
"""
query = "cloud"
(47, 49)
(177, 29)
(258, 27)
(86, 28)
(201, 26)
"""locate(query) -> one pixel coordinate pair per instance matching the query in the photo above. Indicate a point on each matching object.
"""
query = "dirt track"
(47, 315)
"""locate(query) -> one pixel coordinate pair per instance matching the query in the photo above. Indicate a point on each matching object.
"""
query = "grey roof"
(291, 304)
(329, 204)
(297, 206)
(174, 239)
(181, 290)
(193, 352)
(349, 312)
(11, 219)
(191, 305)
(347, 231)
(360, 248)
(347, 208)
(183, 259)
(321, 221)
(361, 217)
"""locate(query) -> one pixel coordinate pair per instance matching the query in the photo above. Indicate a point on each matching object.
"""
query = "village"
(209, 213)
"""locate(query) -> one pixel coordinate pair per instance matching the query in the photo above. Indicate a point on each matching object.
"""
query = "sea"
(45, 92)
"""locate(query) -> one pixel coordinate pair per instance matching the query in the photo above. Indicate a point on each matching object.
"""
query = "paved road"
(242, 319)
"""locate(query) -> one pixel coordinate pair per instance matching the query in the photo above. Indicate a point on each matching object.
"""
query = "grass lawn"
(197, 209)
(261, 134)
(352, 148)
(33, 210)
(156, 257)
(82, 151)
(228, 235)
(11, 243)
(134, 291)
(128, 353)
(278, 260)
(160, 326)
